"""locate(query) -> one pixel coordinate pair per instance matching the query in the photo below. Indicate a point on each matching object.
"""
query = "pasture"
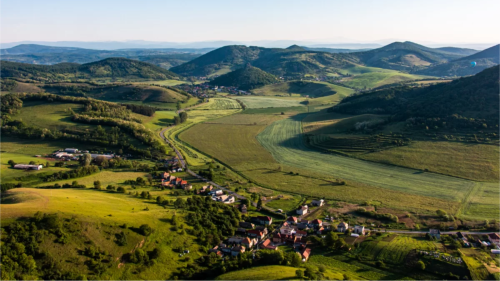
(270, 272)
(465, 160)
(168, 82)
(266, 102)
(220, 104)
(372, 77)
(305, 172)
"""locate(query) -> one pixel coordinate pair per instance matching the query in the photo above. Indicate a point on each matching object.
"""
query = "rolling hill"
(408, 55)
(293, 61)
(462, 66)
(466, 103)
(245, 78)
(36, 49)
(112, 68)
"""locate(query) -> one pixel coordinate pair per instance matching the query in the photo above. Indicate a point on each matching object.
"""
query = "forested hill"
(471, 99)
(293, 61)
(112, 67)
(246, 78)
(463, 67)
(408, 55)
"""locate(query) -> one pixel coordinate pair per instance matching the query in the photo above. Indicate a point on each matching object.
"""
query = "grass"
(287, 204)
(476, 268)
(270, 272)
(266, 102)
(220, 104)
(101, 212)
(168, 82)
(325, 122)
(355, 271)
(372, 77)
(483, 202)
(393, 250)
(472, 161)
(277, 110)
(236, 146)
(283, 139)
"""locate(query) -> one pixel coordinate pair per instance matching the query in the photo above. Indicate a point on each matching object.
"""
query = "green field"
(271, 272)
(169, 82)
(220, 104)
(372, 77)
(266, 102)
(102, 212)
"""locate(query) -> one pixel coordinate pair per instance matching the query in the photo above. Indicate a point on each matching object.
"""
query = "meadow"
(274, 272)
(372, 77)
(102, 212)
(309, 174)
(266, 102)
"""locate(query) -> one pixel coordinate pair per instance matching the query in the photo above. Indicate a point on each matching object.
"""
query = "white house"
(217, 192)
(302, 210)
(71, 150)
(28, 167)
(319, 202)
(287, 230)
(359, 229)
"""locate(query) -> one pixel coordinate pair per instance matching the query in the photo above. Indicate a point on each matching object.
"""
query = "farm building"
(28, 167)
(109, 156)
(359, 229)
(319, 202)
(71, 150)
(342, 227)
(302, 210)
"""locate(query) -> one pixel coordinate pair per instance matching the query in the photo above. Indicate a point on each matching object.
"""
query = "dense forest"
(246, 78)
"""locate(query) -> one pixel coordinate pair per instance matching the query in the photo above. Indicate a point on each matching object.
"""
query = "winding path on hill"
(283, 139)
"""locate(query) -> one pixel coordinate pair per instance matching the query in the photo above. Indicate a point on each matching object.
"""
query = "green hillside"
(272, 272)
(246, 78)
(467, 103)
(462, 67)
(112, 68)
(405, 56)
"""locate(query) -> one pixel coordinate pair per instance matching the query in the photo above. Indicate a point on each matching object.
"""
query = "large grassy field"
(235, 144)
(283, 139)
(270, 272)
(102, 212)
(465, 160)
(265, 102)
(372, 77)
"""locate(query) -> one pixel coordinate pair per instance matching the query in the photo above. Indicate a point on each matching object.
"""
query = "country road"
(184, 166)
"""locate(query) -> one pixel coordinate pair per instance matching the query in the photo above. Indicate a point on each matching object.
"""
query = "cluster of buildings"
(302, 210)
(438, 255)
(28, 167)
(171, 181)
(73, 153)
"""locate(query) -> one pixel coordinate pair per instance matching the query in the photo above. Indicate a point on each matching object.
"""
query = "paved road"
(183, 165)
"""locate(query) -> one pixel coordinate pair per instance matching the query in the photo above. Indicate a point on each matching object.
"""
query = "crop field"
(330, 123)
(271, 272)
(220, 104)
(160, 119)
(395, 250)
(372, 77)
(476, 268)
(277, 110)
(236, 145)
(265, 102)
(482, 203)
(286, 204)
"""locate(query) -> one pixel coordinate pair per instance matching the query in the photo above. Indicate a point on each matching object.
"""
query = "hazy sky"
(439, 21)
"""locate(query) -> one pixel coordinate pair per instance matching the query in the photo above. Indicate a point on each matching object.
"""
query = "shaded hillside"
(112, 67)
(293, 61)
(312, 89)
(36, 49)
(463, 67)
(246, 78)
(458, 51)
(406, 56)
(470, 102)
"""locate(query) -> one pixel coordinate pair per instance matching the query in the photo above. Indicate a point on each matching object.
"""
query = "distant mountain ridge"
(111, 67)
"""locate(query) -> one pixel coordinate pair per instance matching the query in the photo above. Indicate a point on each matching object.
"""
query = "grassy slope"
(271, 272)
(372, 77)
(100, 207)
(51, 116)
(266, 102)
(236, 146)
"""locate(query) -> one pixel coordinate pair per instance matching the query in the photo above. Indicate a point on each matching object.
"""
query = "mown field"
(372, 77)
(265, 102)
(464, 160)
(271, 272)
(236, 146)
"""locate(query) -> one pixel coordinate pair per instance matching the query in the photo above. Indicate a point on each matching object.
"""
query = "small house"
(305, 254)
(292, 220)
(165, 175)
(287, 230)
(265, 220)
(302, 210)
(342, 227)
(277, 238)
(301, 233)
(317, 223)
(494, 238)
(235, 240)
(255, 234)
(247, 225)
(268, 245)
(359, 229)
(243, 209)
(247, 242)
(236, 250)
(318, 203)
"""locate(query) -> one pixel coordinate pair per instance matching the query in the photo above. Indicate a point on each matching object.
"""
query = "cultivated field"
(220, 104)
(271, 272)
(372, 77)
(265, 102)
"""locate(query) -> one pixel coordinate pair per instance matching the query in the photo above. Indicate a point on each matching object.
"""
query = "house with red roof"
(301, 233)
(268, 245)
(265, 220)
(254, 233)
(317, 223)
(305, 254)
(165, 175)
(292, 220)
(277, 238)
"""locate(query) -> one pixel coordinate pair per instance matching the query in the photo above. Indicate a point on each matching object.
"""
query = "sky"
(332, 21)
